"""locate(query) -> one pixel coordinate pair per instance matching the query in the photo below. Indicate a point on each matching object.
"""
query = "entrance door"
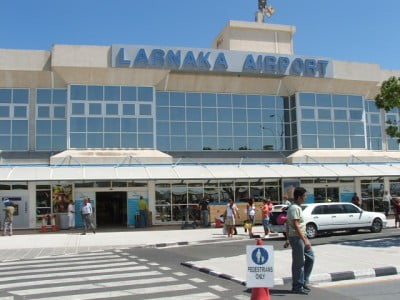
(111, 209)
(324, 194)
(20, 200)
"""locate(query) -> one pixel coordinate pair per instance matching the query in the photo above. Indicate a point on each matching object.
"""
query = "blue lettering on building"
(217, 61)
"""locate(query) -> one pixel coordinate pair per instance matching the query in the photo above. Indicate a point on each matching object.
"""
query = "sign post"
(260, 269)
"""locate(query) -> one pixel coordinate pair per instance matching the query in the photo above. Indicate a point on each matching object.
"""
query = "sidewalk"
(333, 261)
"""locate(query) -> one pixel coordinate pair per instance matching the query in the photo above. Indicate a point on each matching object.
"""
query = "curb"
(314, 279)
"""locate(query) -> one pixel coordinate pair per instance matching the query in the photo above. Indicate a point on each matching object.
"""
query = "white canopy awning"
(194, 172)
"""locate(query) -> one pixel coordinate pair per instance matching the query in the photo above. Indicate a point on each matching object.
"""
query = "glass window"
(325, 141)
(324, 114)
(177, 99)
(254, 129)
(59, 112)
(95, 140)
(342, 142)
(59, 127)
(224, 100)
(357, 128)
(340, 114)
(111, 109)
(43, 127)
(309, 141)
(19, 142)
(21, 96)
(210, 128)
(112, 140)
(95, 92)
(145, 109)
(253, 101)
(128, 109)
(225, 114)
(323, 100)
(43, 96)
(162, 113)
(193, 128)
(341, 128)
(193, 114)
(239, 115)
(95, 124)
(5, 95)
(163, 143)
(128, 93)
(112, 93)
(4, 111)
(177, 113)
(78, 124)
(254, 115)
(145, 93)
(209, 114)
(225, 143)
(146, 141)
(268, 102)
(19, 126)
(129, 140)
(178, 128)
(209, 100)
(325, 128)
(356, 114)
(59, 143)
(339, 100)
(210, 143)
(375, 131)
(95, 109)
(374, 118)
(238, 101)
(112, 125)
(78, 92)
(307, 113)
(372, 106)
(128, 125)
(193, 99)
(240, 129)
(5, 127)
(43, 111)
(194, 143)
(145, 125)
(355, 101)
(307, 99)
(43, 143)
(357, 141)
(78, 108)
(240, 143)
(78, 140)
(162, 98)
(5, 142)
(225, 129)
(308, 127)
(59, 96)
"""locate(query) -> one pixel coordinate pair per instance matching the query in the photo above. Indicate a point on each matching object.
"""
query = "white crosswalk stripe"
(102, 275)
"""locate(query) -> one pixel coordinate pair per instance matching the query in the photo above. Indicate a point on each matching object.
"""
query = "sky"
(349, 30)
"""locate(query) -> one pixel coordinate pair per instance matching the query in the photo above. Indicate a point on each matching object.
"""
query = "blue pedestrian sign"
(260, 266)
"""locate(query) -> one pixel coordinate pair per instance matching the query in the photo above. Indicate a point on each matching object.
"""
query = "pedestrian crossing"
(101, 275)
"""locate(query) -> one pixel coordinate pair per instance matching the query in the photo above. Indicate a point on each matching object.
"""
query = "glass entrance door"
(326, 194)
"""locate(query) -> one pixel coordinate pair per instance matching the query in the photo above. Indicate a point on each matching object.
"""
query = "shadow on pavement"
(381, 243)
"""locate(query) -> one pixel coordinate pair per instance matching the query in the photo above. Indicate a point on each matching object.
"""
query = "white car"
(335, 216)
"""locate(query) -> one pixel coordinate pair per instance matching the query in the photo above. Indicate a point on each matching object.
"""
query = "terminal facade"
(245, 118)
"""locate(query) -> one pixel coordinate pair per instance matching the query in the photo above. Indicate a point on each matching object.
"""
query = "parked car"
(333, 216)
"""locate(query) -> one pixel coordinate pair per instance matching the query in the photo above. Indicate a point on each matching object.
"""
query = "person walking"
(387, 199)
(86, 211)
(204, 206)
(302, 253)
(251, 213)
(71, 214)
(356, 200)
(396, 212)
(143, 211)
(266, 208)
(8, 218)
(231, 213)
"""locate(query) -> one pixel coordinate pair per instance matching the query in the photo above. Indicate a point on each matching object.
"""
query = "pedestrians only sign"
(260, 266)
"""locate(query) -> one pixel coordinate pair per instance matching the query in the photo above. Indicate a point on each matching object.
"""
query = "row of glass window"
(142, 125)
(183, 99)
(111, 93)
(13, 142)
(14, 111)
(51, 96)
(332, 142)
(331, 114)
(334, 128)
(16, 96)
(111, 140)
(108, 109)
(330, 100)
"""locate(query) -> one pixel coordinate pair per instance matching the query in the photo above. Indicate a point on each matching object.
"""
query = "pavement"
(347, 260)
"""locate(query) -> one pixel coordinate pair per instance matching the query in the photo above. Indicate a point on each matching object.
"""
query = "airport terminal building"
(245, 118)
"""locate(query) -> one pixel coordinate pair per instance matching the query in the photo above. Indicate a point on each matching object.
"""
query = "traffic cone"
(260, 294)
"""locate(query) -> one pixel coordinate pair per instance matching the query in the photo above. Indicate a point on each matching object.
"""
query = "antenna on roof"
(263, 11)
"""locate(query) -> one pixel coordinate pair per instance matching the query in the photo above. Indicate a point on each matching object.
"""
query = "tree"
(387, 99)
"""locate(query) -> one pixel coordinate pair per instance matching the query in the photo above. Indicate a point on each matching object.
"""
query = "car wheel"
(376, 225)
(311, 230)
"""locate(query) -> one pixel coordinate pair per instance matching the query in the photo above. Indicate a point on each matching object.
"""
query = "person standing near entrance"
(8, 218)
(302, 254)
(86, 211)
(387, 199)
(71, 214)
(204, 211)
(143, 211)
(356, 200)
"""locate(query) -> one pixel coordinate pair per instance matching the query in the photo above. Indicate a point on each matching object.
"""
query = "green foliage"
(387, 99)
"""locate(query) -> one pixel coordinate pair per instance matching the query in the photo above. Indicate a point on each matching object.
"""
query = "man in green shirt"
(302, 254)
(143, 211)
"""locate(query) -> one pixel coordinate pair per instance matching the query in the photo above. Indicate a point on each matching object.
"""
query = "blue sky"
(350, 30)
